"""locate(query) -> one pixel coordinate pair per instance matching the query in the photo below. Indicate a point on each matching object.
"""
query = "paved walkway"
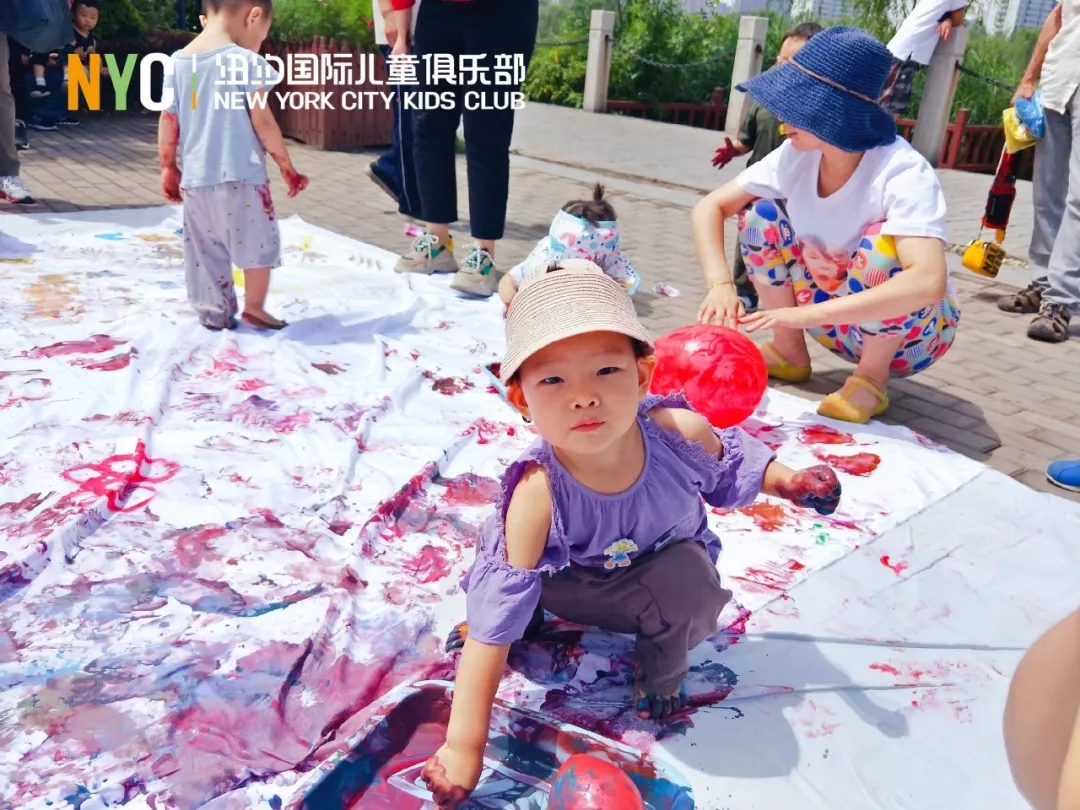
(996, 396)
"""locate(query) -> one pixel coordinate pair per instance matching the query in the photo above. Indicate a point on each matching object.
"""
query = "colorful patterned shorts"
(774, 257)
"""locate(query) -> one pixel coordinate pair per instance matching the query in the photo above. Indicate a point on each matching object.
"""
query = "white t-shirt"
(893, 184)
(1061, 68)
(917, 35)
(379, 24)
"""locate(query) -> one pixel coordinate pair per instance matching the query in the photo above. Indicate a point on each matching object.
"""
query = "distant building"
(1009, 16)
(821, 10)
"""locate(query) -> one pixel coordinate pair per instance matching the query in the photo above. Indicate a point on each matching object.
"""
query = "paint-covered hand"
(815, 488)
(725, 154)
(451, 775)
(456, 640)
(293, 179)
(170, 184)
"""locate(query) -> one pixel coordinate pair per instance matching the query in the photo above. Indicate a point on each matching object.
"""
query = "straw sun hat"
(573, 300)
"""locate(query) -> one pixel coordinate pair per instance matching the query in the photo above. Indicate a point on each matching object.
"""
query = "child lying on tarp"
(602, 521)
(583, 229)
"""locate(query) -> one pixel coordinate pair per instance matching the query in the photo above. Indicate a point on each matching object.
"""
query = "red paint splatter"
(448, 386)
(119, 477)
(768, 517)
(114, 363)
(486, 430)
(888, 669)
(430, 565)
(772, 577)
(251, 385)
(768, 435)
(823, 434)
(470, 490)
(27, 504)
(738, 626)
(861, 464)
(95, 345)
(897, 568)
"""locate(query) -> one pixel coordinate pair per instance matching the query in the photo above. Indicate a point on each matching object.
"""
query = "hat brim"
(837, 118)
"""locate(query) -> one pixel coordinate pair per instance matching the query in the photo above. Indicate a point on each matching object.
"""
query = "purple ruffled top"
(611, 531)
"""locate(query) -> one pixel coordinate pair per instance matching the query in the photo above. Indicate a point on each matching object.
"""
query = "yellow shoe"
(781, 369)
(839, 406)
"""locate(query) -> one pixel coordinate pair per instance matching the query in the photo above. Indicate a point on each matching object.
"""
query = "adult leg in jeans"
(393, 170)
(11, 187)
(440, 28)
(1061, 297)
(1050, 184)
(16, 69)
(497, 27)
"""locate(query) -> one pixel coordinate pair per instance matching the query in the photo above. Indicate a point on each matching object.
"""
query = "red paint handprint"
(121, 477)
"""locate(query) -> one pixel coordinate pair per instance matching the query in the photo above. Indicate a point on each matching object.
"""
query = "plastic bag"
(1017, 135)
(1030, 111)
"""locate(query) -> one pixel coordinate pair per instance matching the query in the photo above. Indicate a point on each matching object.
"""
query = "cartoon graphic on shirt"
(573, 237)
(827, 269)
(619, 552)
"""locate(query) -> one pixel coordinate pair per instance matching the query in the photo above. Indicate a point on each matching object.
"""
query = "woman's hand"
(452, 774)
(722, 306)
(400, 46)
(785, 317)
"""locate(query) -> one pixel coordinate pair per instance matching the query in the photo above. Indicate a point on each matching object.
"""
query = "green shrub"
(300, 20)
(660, 31)
(119, 19)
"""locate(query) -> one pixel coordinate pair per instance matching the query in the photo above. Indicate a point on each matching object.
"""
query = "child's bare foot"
(261, 319)
(656, 707)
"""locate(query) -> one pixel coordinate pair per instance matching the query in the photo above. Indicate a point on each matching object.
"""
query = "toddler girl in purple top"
(602, 521)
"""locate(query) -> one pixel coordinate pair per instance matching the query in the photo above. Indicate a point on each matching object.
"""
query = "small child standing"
(603, 520)
(225, 190)
(761, 135)
(583, 229)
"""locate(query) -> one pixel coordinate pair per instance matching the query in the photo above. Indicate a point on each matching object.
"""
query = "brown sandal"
(1051, 324)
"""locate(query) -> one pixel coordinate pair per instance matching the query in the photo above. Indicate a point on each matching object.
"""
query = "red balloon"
(589, 783)
(720, 371)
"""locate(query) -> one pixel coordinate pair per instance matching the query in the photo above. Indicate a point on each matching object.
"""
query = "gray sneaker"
(427, 256)
(477, 274)
(13, 189)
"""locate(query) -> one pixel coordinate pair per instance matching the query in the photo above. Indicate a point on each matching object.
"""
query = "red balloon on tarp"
(720, 371)
(590, 783)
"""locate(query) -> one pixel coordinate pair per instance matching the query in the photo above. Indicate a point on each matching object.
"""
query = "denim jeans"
(396, 163)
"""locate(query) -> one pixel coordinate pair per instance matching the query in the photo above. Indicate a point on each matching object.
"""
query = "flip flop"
(259, 323)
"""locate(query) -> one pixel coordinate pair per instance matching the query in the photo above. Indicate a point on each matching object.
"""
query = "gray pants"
(225, 225)
(9, 155)
(1055, 238)
(670, 599)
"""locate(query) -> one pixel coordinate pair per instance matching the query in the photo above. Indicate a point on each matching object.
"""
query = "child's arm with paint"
(168, 143)
(452, 774)
(269, 134)
(748, 467)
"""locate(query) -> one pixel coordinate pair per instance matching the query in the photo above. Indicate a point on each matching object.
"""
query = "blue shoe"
(1065, 474)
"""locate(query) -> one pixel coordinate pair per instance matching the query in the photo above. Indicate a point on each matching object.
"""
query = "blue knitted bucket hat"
(831, 88)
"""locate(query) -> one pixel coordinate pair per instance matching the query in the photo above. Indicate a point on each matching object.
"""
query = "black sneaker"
(383, 182)
(42, 124)
(68, 121)
(22, 139)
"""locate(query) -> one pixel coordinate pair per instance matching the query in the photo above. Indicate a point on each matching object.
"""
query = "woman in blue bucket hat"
(842, 229)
